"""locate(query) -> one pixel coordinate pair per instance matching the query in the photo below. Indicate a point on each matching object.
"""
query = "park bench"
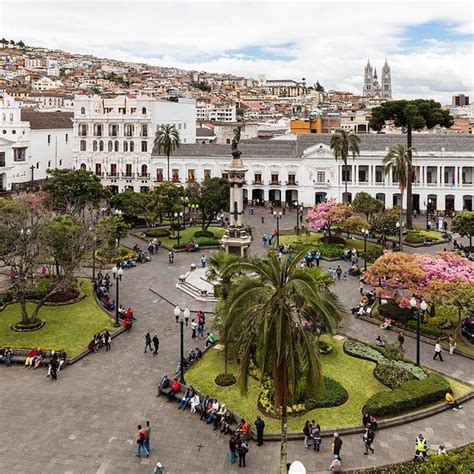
(20, 355)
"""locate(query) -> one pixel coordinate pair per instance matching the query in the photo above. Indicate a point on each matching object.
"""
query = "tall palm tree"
(342, 144)
(267, 308)
(166, 141)
(222, 270)
(398, 160)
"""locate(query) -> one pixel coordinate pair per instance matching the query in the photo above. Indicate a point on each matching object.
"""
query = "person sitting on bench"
(175, 388)
(29, 362)
(452, 402)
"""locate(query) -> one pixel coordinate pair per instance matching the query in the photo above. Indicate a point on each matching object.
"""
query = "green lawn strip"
(354, 374)
(312, 242)
(186, 235)
(68, 327)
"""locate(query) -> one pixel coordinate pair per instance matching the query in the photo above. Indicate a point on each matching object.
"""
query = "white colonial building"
(31, 142)
(113, 137)
(216, 112)
(304, 169)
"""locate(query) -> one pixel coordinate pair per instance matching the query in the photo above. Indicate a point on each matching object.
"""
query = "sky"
(428, 43)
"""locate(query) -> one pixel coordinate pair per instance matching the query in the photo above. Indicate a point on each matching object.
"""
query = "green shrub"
(393, 311)
(206, 233)
(7, 297)
(333, 395)
(156, 233)
(40, 290)
(331, 250)
(225, 380)
(426, 329)
(363, 351)
(409, 396)
(324, 347)
(414, 237)
(332, 239)
(391, 375)
(439, 322)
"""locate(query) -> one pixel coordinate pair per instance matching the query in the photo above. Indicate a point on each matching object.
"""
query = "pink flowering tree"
(325, 214)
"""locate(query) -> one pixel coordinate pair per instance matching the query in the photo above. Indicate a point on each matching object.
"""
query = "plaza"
(85, 422)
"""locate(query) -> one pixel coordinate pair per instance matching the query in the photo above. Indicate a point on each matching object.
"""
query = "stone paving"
(85, 422)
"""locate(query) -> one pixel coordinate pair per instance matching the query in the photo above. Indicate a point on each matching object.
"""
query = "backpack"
(244, 448)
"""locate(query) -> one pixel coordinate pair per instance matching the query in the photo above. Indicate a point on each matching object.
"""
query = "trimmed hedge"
(426, 328)
(409, 396)
(333, 395)
(156, 233)
(324, 347)
(225, 380)
(332, 239)
(206, 233)
(393, 311)
(363, 351)
(391, 375)
(331, 250)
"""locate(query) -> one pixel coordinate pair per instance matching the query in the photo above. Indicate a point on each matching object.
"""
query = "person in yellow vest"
(452, 402)
(421, 448)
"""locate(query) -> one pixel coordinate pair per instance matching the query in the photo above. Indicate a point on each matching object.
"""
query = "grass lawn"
(68, 327)
(337, 365)
(186, 235)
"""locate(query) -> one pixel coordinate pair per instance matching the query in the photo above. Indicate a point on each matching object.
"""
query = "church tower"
(368, 79)
(386, 81)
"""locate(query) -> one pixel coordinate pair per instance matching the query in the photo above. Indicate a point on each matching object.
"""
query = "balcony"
(258, 182)
(291, 183)
(144, 175)
(112, 176)
(275, 183)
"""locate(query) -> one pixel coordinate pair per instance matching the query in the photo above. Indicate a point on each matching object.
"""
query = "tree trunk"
(409, 181)
(226, 357)
(400, 229)
(284, 441)
(345, 181)
(168, 165)
(25, 319)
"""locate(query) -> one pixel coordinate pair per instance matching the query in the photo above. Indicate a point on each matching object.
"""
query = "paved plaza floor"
(85, 421)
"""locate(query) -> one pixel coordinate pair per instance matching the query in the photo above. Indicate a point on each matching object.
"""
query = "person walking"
(148, 342)
(260, 426)
(147, 432)
(233, 448)
(452, 343)
(438, 350)
(368, 438)
(307, 434)
(337, 445)
(108, 340)
(140, 442)
(171, 257)
(316, 435)
(317, 257)
(242, 450)
(339, 272)
(401, 340)
(156, 344)
(194, 326)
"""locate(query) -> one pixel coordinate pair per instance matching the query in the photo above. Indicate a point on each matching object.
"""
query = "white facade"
(46, 84)
(216, 112)
(114, 137)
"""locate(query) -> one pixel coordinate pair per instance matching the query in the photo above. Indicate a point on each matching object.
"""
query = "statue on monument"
(235, 142)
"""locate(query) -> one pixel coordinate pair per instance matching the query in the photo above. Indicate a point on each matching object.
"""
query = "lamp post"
(399, 227)
(365, 233)
(299, 214)
(428, 208)
(278, 217)
(179, 319)
(176, 215)
(117, 273)
(185, 201)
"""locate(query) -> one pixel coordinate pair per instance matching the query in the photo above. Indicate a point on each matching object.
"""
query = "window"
(184, 126)
(144, 171)
(83, 130)
(113, 130)
(116, 145)
(207, 175)
(275, 178)
(292, 179)
(83, 166)
(191, 175)
(128, 169)
(228, 141)
(98, 169)
(394, 177)
(129, 129)
(2, 159)
(320, 176)
(179, 126)
(49, 139)
(101, 145)
(362, 176)
(159, 175)
(132, 146)
(49, 164)
(113, 170)
(258, 178)
(225, 175)
(378, 175)
(83, 145)
(110, 146)
(66, 137)
(144, 146)
(175, 175)
(346, 174)
(143, 110)
(122, 110)
(125, 146)
(98, 130)
(83, 110)
(144, 130)
(94, 145)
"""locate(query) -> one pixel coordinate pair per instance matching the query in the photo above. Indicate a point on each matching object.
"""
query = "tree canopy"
(463, 224)
(366, 204)
(212, 199)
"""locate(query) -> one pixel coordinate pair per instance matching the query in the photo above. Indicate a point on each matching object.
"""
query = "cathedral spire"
(375, 73)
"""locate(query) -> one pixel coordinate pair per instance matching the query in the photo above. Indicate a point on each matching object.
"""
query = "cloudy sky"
(429, 44)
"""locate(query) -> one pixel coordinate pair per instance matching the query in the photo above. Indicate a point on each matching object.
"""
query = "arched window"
(83, 166)
(94, 145)
(11, 117)
(83, 110)
(143, 110)
(110, 146)
(144, 170)
(101, 145)
(125, 146)
(132, 146)
(129, 129)
(83, 145)
(116, 145)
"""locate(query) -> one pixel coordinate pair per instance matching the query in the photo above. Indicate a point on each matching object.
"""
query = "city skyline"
(429, 49)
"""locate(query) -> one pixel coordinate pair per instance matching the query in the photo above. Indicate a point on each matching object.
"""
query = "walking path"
(85, 422)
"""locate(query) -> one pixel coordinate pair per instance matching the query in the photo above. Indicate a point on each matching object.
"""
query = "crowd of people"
(99, 341)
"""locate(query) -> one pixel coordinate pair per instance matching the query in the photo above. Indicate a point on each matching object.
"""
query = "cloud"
(428, 43)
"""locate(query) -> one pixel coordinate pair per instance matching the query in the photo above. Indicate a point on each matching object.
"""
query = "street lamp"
(176, 215)
(185, 201)
(117, 273)
(365, 233)
(179, 319)
(428, 209)
(278, 217)
(399, 227)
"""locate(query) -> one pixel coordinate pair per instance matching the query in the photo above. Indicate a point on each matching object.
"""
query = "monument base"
(236, 241)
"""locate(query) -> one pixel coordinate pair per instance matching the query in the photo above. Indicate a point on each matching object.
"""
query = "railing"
(291, 183)
(275, 183)
(259, 182)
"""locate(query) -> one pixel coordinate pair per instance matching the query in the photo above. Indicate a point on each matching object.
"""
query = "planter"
(20, 327)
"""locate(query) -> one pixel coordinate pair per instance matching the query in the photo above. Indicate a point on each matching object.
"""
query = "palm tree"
(342, 144)
(166, 141)
(267, 309)
(222, 270)
(398, 160)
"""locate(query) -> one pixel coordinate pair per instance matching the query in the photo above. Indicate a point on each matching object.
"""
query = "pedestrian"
(401, 340)
(421, 448)
(336, 465)
(147, 432)
(368, 438)
(148, 342)
(441, 450)
(108, 340)
(337, 445)
(54, 368)
(186, 314)
(260, 425)
(243, 449)
(262, 218)
(203, 261)
(338, 272)
(452, 343)
(365, 418)
(170, 257)
(438, 350)
(233, 448)
(361, 287)
(140, 442)
(307, 433)
(194, 326)
(156, 344)
(317, 257)
(316, 435)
